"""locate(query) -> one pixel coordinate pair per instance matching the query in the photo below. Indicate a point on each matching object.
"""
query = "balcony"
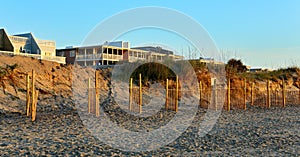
(112, 57)
(99, 56)
(88, 57)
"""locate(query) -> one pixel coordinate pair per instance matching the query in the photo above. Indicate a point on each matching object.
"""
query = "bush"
(272, 75)
(234, 66)
(153, 72)
(197, 65)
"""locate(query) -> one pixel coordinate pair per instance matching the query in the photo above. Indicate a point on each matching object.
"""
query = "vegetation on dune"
(159, 72)
(198, 66)
(275, 75)
(152, 72)
(234, 67)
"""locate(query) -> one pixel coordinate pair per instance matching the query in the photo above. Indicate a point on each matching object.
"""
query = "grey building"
(26, 43)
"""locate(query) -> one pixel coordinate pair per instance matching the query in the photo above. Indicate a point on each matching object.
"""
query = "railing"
(112, 56)
(80, 56)
(88, 57)
(57, 59)
(134, 59)
(19, 39)
(46, 42)
(99, 56)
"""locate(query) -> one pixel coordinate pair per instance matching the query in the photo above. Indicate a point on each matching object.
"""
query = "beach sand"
(59, 131)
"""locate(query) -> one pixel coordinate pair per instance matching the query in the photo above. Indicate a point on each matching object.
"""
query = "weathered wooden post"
(89, 95)
(216, 94)
(245, 94)
(283, 93)
(299, 96)
(97, 93)
(167, 94)
(27, 95)
(228, 95)
(252, 93)
(130, 94)
(200, 92)
(268, 95)
(176, 94)
(140, 93)
(32, 95)
(34, 105)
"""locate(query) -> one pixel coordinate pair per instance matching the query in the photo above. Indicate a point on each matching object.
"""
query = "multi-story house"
(110, 53)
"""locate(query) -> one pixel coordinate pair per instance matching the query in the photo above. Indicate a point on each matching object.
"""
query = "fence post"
(268, 95)
(283, 93)
(89, 95)
(130, 94)
(140, 93)
(228, 95)
(176, 95)
(216, 94)
(252, 93)
(167, 94)
(245, 94)
(34, 105)
(299, 95)
(200, 92)
(97, 93)
(32, 95)
(27, 95)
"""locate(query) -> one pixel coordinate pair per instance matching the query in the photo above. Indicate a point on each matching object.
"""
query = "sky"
(260, 33)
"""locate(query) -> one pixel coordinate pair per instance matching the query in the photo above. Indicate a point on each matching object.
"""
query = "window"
(159, 58)
(62, 53)
(88, 51)
(72, 53)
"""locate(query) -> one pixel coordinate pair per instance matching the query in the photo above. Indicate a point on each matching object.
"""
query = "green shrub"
(153, 72)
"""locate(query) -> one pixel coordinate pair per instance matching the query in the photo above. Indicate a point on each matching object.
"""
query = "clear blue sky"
(261, 33)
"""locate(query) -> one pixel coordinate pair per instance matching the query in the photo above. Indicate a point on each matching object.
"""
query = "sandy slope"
(59, 129)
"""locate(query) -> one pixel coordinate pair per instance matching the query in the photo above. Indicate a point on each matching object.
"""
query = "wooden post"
(140, 93)
(283, 93)
(130, 94)
(97, 93)
(27, 95)
(89, 95)
(33, 115)
(216, 94)
(200, 92)
(268, 95)
(176, 95)
(167, 94)
(32, 95)
(252, 93)
(299, 95)
(228, 95)
(245, 94)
